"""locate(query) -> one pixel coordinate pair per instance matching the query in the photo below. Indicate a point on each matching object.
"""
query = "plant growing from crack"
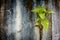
(41, 20)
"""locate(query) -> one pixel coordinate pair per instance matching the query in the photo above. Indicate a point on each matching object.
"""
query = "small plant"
(41, 19)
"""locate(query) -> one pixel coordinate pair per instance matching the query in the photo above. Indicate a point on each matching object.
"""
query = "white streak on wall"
(55, 34)
(18, 20)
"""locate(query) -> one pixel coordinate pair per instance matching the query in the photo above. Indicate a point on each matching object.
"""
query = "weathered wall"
(55, 21)
(17, 22)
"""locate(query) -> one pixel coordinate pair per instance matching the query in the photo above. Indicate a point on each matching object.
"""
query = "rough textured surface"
(17, 20)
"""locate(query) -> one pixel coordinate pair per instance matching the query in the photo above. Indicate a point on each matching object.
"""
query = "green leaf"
(36, 10)
(45, 24)
(39, 9)
(44, 9)
(38, 21)
(42, 15)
